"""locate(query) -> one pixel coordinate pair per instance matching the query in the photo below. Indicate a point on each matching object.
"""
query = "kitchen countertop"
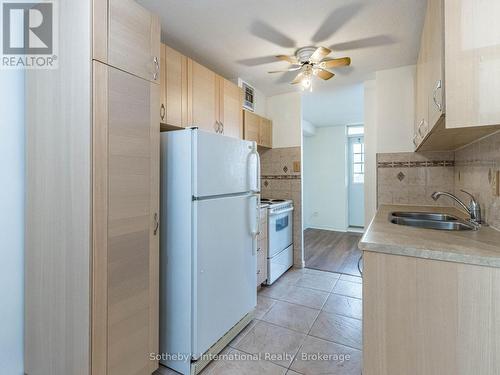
(481, 247)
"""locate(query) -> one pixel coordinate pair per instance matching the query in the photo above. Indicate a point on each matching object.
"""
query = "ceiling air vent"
(248, 95)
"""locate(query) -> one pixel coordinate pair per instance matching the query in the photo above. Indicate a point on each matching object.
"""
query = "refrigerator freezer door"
(224, 266)
(224, 165)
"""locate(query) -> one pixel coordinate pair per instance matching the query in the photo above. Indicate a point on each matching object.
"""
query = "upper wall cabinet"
(127, 37)
(429, 86)
(174, 89)
(472, 39)
(202, 97)
(230, 109)
(457, 74)
(192, 95)
(258, 129)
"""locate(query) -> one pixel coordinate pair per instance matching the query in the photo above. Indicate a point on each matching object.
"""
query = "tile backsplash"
(281, 179)
(411, 178)
(475, 168)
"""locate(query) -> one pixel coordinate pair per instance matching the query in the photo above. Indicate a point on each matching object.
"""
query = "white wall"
(324, 179)
(285, 111)
(260, 103)
(389, 118)
(11, 221)
(308, 129)
(395, 109)
(370, 150)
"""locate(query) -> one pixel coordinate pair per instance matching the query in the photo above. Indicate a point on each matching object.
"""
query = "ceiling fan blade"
(319, 54)
(335, 21)
(333, 63)
(298, 78)
(323, 74)
(290, 59)
(267, 32)
(287, 70)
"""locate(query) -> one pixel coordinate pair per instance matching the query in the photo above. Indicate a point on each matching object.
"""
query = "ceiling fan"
(310, 62)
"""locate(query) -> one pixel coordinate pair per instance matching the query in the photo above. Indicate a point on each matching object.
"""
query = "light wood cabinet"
(127, 36)
(174, 104)
(92, 251)
(194, 95)
(265, 132)
(202, 97)
(472, 39)
(230, 108)
(126, 168)
(257, 129)
(262, 249)
(430, 317)
(456, 74)
(251, 125)
(429, 79)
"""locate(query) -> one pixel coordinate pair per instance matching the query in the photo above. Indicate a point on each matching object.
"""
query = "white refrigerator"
(208, 234)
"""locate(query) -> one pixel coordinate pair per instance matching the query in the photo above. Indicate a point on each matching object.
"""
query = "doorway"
(356, 176)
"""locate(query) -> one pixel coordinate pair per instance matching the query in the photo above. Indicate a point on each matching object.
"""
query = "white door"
(224, 165)
(356, 167)
(224, 266)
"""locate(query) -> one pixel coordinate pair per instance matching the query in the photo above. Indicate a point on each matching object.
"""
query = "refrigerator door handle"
(255, 221)
(257, 168)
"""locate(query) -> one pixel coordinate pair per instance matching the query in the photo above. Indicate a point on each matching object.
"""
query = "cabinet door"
(163, 84)
(230, 109)
(251, 125)
(125, 261)
(202, 97)
(265, 132)
(133, 39)
(422, 88)
(472, 61)
(175, 87)
(435, 58)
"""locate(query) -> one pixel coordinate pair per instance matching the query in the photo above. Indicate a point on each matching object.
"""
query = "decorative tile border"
(281, 177)
(416, 164)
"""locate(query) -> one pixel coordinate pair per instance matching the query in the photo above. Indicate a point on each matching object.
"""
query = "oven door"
(280, 233)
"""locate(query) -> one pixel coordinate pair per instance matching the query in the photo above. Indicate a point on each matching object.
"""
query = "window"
(358, 161)
(355, 130)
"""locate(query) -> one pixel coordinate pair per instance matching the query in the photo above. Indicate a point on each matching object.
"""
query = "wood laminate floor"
(332, 251)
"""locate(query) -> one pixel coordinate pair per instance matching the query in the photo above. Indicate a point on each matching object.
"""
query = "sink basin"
(429, 220)
(425, 216)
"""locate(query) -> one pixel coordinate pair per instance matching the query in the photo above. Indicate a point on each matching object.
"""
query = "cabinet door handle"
(420, 127)
(162, 111)
(156, 223)
(434, 92)
(222, 128)
(415, 141)
(157, 68)
(217, 127)
(360, 260)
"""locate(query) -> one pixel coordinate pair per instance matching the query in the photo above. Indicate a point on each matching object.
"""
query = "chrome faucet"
(474, 209)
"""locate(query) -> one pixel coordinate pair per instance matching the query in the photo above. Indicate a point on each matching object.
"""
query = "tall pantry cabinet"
(92, 195)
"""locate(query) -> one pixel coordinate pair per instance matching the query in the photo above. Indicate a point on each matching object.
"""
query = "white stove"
(279, 238)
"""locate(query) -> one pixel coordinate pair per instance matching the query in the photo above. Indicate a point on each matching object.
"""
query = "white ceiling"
(341, 105)
(239, 38)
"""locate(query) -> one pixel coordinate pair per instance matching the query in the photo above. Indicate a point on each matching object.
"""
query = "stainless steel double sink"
(430, 220)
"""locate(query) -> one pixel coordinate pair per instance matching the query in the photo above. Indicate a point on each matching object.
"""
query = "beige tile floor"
(308, 322)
